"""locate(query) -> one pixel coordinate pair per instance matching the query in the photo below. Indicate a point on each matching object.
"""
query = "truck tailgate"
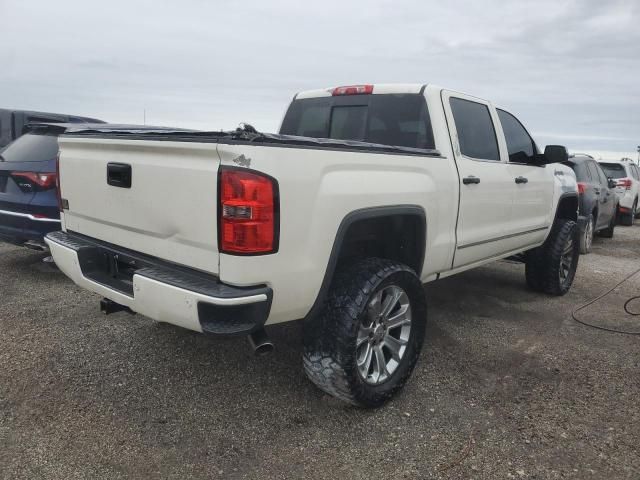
(170, 209)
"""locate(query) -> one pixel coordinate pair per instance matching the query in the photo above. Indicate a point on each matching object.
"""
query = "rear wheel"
(363, 347)
(551, 267)
(636, 210)
(626, 219)
(586, 239)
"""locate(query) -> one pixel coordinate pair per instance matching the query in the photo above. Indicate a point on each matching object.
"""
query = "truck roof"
(380, 89)
(375, 88)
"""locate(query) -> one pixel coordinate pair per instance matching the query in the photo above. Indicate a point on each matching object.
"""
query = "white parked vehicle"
(627, 175)
(369, 192)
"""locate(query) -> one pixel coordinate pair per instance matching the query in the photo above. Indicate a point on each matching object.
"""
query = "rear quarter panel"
(318, 189)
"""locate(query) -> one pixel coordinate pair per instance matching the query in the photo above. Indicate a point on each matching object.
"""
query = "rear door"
(153, 197)
(606, 199)
(485, 181)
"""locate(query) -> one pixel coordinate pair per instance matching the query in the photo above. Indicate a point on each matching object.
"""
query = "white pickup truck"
(367, 193)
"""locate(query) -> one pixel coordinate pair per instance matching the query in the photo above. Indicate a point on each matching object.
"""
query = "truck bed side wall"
(318, 189)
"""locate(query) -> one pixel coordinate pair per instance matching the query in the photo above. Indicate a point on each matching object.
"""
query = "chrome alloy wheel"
(383, 335)
(566, 260)
(588, 234)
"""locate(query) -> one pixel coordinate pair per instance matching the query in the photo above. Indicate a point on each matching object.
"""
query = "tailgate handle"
(119, 175)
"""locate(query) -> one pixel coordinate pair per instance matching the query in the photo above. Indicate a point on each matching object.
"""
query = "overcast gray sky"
(570, 70)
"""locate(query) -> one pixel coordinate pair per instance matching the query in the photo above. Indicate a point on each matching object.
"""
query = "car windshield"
(614, 170)
(389, 119)
(31, 148)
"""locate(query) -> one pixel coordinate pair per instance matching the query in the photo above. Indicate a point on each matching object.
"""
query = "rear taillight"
(581, 187)
(248, 212)
(625, 182)
(35, 181)
(352, 90)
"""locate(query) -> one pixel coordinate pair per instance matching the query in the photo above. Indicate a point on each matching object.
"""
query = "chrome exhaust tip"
(33, 245)
(260, 342)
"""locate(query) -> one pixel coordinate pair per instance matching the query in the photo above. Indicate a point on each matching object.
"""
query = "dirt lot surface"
(508, 386)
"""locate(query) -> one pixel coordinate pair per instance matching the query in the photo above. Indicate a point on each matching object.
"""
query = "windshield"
(389, 119)
(614, 170)
(31, 148)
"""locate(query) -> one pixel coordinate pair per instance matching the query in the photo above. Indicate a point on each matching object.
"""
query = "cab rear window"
(614, 170)
(389, 119)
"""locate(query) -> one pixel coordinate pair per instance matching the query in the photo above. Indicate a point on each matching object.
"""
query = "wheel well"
(568, 208)
(398, 237)
(394, 232)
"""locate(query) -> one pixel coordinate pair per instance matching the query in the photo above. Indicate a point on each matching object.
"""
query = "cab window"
(476, 134)
(520, 145)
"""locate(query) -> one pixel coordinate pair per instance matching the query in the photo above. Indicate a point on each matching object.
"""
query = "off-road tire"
(586, 243)
(608, 232)
(330, 339)
(543, 264)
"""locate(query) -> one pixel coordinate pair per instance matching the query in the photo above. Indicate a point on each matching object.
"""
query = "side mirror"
(611, 182)
(555, 154)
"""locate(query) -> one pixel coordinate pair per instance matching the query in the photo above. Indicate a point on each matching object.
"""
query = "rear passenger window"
(601, 175)
(476, 134)
(519, 144)
(634, 172)
(593, 172)
(582, 173)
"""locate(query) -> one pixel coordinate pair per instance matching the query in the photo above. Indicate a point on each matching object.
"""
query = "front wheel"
(608, 232)
(586, 239)
(551, 267)
(363, 347)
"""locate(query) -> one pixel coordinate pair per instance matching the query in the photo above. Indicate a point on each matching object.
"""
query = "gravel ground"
(508, 386)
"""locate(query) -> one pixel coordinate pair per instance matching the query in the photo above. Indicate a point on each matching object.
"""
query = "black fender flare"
(563, 197)
(343, 228)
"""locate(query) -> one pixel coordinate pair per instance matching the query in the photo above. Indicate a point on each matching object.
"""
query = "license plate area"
(112, 269)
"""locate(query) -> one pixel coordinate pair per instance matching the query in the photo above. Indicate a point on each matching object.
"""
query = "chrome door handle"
(470, 180)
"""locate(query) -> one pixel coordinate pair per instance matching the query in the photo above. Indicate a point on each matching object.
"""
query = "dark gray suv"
(598, 201)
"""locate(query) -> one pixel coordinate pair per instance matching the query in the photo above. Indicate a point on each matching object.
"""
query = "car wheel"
(626, 219)
(551, 267)
(364, 345)
(586, 239)
(636, 210)
(608, 232)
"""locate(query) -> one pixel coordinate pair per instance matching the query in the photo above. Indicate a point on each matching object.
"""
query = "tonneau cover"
(246, 134)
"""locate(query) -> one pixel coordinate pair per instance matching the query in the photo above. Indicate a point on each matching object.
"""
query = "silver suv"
(627, 175)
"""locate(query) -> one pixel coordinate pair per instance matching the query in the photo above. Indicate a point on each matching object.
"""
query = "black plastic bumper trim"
(114, 267)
